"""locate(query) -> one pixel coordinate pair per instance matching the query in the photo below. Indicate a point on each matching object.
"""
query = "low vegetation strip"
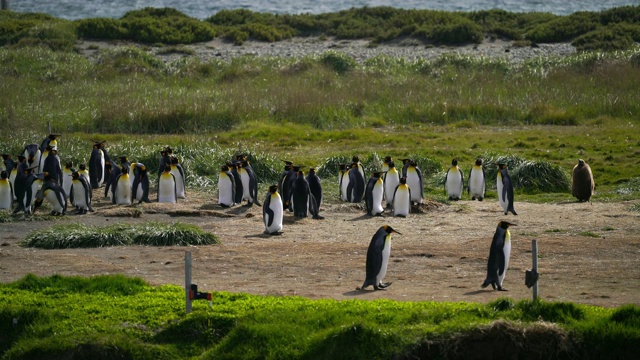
(150, 234)
(115, 316)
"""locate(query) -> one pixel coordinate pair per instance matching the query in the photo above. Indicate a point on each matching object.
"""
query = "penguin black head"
(75, 175)
(355, 159)
(391, 164)
(168, 149)
(312, 170)
(580, 163)
(406, 161)
(123, 159)
(6, 156)
(479, 162)
(167, 168)
(505, 224)
(53, 136)
(4, 175)
(387, 159)
(390, 230)
(403, 180)
(342, 166)
(502, 166)
(376, 174)
(83, 167)
(454, 162)
(224, 168)
(296, 168)
(68, 164)
(174, 160)
(273, 188)
(49, 148)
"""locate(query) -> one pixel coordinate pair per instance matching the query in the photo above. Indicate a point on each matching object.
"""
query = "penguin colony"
(36, 175)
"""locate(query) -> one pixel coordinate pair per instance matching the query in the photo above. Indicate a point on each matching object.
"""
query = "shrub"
(102, 28)
(338, 61)
(564, 28)
(616, 37)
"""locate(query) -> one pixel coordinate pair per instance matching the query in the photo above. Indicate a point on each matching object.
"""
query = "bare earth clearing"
(589, 252)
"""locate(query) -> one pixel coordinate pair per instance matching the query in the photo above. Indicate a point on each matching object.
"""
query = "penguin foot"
(451, 198)
(318, 217)
(480, 199)
(384, 285)
(513, 212)
(248, 204)
(473, 198)
(502, 289)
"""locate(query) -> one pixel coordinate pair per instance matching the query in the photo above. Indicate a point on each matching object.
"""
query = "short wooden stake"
(534, 269)
(187, 278)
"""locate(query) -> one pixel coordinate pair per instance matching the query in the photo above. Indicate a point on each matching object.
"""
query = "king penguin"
(391, 180)
(181, 180)
(300, 195)
(253, 182)
(97, 165)
(140, 186)
(67, 178)
(454, 181)
(499, 254)
(378, 258)
(6, 191)
(356, 185)
(272, 211)
(582, 185)
(414, 180)
(167, 192)
(51, 165)
(11, 166)
(122, 193)
(80, 193)
(476, 184)
(315, 186)
(402, 199)
(32, 153)
(53, 193)
(50, 140)
(356, 160)
(385, 163)
(374, 193)
(505, 189)
(233, 167)
(343, 181)
(226, 187)
(83, 171)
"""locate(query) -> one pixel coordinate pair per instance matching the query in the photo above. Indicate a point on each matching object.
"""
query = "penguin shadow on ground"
(478, 292)
(263, 235)
(358, 292)
(236, 209)
(365, 217)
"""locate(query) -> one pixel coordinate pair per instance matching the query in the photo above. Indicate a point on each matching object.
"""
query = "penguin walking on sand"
(53, 193)
(6, 191)
(582, 184)
(272, 211)
(499, 254)
(181, 180)
(414, 180)
(80, 193)
(315, 186)
(226, 187)
(391, 179)
(374, 193)
(378, 258)
(505, 189)
(476, 184)
(356, 185)
(454, 181)
(140, 185)
(402, 199)
(122, 194)
(167, 192)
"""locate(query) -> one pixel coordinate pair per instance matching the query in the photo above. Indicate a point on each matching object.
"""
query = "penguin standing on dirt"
(6, 191)
(343, 181)
(405, 166)
(233, 167)
(67, 178)
(582, 184)
(122, 193)
(356, 160)
(285, 185)
(11, 167)
(32, 153)
(374, 193)
(252, 184)
(140, 186)
(402, 199)
(51, 165)
(476, 184)
(272, 211)
(414, 180)
(53, 193)
(356, 186)
(80, 193)
(315, 186)
(181, 180)
(300, 195)
(97, 165)
(83, 171)
(454, 181)
(385, 163)
(226, 187)
(109, 187)
(391, 179)
(167, 192)
(20, 183)
(505, 189)
(499, 254)
(33, 183)
(378, 258)
(165, 159)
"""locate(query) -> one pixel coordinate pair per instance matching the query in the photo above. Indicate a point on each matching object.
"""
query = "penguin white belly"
(12, 180)
(386, 253)
(499, 187)
(391, 181)
(43, 156)
(454, 184)
(167, 189)
(67, 181)
(476, 184)
(225, 190)
(139, 192)
(414, 184)
(6, 195)
(123, 190)
(401, 203)
(345, 185)
(246, 191)
(101, 180)
(52, 199)
(277, 208)
(86, 175)
(35, 186)
(79, 196)
(179, 182)
(378, 191)
(507, 253)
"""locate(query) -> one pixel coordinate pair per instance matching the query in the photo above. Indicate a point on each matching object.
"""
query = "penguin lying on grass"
(378, 258)
(499, 254)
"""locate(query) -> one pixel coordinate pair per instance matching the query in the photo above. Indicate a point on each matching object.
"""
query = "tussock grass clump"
(540, 177)
(152, 234)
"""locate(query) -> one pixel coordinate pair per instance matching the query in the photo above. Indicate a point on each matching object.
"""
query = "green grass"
(147, 234)
(114, 316)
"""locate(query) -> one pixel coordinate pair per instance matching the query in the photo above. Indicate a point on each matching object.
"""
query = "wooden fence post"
(534, 266)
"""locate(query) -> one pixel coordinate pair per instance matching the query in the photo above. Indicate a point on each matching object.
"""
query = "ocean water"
(80, 9)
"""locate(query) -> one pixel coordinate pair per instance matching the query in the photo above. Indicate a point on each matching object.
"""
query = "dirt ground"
(588, 252)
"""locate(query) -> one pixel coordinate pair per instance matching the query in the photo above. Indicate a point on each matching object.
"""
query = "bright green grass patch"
(114, 316)
(149, 234)
(589, 234)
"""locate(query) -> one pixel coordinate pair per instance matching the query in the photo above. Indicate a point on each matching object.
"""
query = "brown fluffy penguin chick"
(582, 181)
